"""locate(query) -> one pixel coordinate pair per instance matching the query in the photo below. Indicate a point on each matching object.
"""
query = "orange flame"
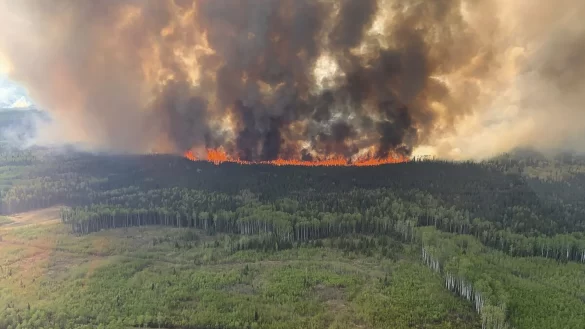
(218, 156)
(190, 155)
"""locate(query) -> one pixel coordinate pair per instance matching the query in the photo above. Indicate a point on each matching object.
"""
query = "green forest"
(159, 241)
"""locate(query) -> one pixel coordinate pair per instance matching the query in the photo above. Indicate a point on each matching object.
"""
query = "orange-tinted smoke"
(277, 80)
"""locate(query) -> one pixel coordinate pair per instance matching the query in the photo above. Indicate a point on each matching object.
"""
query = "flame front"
(218, 156)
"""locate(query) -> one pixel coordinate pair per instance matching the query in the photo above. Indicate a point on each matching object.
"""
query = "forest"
(492, 244)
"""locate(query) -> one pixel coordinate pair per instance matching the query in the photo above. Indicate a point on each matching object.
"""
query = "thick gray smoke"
(300, 79)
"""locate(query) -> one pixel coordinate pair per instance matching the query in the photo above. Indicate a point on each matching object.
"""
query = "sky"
(12, 95)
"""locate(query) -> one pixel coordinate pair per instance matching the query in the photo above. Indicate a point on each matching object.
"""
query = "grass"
(156, 277)
(5, 220)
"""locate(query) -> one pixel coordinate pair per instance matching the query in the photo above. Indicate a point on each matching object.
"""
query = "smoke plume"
(303, 79)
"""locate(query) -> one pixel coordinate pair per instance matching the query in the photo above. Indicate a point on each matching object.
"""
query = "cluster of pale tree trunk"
(493, 314)
(284, 226)
(296, 221)
(565, 247)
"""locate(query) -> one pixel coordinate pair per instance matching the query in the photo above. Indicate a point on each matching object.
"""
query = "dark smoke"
(116, 70)
(384, 95)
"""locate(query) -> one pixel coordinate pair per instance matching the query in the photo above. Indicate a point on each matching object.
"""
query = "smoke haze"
(303, 79)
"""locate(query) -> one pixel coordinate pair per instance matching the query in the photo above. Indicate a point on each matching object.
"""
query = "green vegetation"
(537, 292)
(160, 241)
(186, 279)
(4, 220)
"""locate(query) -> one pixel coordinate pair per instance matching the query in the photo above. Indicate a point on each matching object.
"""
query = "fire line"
(218, 156)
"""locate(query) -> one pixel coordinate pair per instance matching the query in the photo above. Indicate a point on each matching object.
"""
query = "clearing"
(42, 216)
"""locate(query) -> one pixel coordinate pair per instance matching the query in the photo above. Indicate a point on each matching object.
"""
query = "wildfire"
(218, 156)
